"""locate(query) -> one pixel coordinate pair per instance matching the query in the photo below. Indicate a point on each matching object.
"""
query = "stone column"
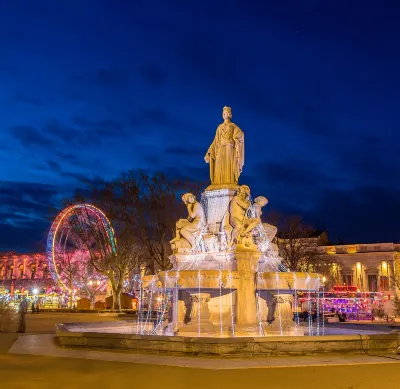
(199, 315)
(284, 316)
(246, 310)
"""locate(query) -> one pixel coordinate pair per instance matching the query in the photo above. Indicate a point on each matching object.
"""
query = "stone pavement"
(45, 345)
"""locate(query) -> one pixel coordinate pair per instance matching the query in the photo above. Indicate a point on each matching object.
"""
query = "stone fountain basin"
(226, 279)
(74, 335)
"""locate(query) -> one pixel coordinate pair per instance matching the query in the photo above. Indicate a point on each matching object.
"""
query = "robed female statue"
(226, 153)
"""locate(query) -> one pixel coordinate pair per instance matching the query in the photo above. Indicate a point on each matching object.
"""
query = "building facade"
(371, 267)
(24, 271)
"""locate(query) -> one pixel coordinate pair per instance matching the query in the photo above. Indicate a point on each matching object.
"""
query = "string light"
(323, 309)
(278, 305)
(296, 302)
(232, 313)
(318, 311)
(199, 303)
(52, 247)
(176, 324)
(310, 327)
(139, 314)
(220, 302)
(164, 304)
(261, 329)
(149, 306)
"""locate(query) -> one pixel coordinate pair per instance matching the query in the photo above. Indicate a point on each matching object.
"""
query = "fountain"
(227, 277)
(227, 292)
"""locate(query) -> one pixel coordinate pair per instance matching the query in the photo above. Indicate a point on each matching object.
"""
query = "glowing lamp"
(35, 291)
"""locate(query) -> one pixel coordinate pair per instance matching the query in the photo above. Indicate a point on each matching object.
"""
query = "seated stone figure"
(233, 222)
(190, 229)
(250, 223)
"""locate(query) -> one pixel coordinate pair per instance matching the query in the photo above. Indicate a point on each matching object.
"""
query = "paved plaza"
(33, 360)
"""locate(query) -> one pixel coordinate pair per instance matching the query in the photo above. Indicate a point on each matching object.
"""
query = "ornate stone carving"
(190, 229)
(250, 223)
(282, 299)
(233, 223)
(200, 298)
(226, 153)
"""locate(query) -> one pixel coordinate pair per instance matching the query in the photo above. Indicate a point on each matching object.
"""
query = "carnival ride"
(66, 255)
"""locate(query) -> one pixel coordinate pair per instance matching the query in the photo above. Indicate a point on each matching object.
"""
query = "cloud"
(23, 239)
(23, 204)
(188, 151)
(26, 213)
(63, 133)
(107, 127)
(53, 165)
(295, 173)
(149, 119)
(30, 136)
(364, 214)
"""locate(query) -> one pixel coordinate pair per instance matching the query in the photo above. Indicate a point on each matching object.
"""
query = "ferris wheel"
(67, 257)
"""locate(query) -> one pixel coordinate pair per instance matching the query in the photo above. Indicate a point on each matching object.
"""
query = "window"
(347, 279)
(384, 283)
(372, 282)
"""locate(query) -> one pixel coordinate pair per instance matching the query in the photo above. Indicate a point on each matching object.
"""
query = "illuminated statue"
(226, 153)
(190, 228)
(252, 222)
(237, 211)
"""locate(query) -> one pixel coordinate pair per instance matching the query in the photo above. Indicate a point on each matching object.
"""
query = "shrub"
(379, 309)
(396, 305)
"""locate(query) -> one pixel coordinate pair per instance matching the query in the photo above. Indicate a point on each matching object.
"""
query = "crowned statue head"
(227, 113)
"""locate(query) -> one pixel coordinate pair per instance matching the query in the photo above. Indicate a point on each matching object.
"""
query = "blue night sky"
(93, 88)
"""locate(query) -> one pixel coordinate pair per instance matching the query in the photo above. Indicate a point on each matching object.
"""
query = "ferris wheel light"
(57, 231)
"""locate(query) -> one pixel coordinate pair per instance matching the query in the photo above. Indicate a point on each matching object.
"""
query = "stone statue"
(252, 222)
(237, 212)
(226, 153)
(190, 228)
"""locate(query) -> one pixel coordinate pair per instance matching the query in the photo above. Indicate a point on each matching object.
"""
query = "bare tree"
(68, 269)
(106, 257)
(143, 209)
(147, 204)
(298, 245)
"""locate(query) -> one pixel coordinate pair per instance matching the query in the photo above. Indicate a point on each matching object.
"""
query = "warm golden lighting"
(351, 249)
(384, 266)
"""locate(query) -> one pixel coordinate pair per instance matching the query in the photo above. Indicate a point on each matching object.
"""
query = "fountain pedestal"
(284, 323)
(199, 316)
(246, 307)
